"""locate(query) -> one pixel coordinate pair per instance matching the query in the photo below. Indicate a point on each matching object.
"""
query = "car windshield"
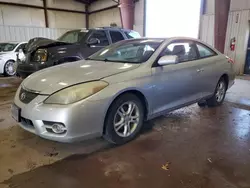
(2, 46)
(131, 51)
(73, 36)
(6, 47)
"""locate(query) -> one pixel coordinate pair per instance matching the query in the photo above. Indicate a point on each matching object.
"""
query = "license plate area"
(16, 112)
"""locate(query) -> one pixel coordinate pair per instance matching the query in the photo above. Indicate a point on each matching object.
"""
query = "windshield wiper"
(116, 61)
(105, 60)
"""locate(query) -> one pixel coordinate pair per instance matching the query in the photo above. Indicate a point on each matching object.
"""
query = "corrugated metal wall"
(19, 33)
(238, 27)
(207, 29)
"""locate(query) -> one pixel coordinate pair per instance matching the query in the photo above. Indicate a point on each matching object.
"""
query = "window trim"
(201, 44)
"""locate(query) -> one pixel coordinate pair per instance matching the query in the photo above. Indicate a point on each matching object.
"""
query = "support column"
(127, 9)
(221, 17)
(87, 16)
(45, 13)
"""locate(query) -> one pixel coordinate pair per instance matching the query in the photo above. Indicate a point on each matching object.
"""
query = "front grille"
(26, 96)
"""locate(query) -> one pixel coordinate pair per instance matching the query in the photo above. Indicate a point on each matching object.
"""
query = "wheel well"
(140, 96)
(226, 78)
(9, 61)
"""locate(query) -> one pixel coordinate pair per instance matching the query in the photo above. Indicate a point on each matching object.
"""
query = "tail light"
(230, 60)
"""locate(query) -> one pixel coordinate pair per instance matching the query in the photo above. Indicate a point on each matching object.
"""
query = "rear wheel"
(219, 94)
(124, 119)
(9, 68)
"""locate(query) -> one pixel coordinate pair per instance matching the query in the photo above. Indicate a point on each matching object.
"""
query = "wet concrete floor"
(188, 148)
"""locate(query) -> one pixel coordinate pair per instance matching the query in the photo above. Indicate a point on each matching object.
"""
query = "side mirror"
(20, 51)
(168, 59)
(93, 41)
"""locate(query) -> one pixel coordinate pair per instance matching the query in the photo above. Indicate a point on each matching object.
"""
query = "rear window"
(204, 51)
(132, 34)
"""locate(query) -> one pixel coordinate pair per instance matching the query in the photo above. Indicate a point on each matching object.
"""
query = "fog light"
(58, 128)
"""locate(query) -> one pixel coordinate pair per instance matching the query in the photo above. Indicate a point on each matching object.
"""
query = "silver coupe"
(115, 90)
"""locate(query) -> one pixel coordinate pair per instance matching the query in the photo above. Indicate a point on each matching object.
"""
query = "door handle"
(200, 70)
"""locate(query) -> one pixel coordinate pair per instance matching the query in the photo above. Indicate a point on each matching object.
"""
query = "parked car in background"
(116, 89)
(72, 46)
(8, 56)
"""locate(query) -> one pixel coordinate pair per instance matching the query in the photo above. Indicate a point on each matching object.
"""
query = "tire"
(202, 104)
(219, 95)
(128, 125)
(9, 68)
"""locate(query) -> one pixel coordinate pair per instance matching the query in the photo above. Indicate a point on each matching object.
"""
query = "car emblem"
(23, 96)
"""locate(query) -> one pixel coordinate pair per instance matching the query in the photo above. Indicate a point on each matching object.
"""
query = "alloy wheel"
(126, 119)
(10, 68)
(220, 92)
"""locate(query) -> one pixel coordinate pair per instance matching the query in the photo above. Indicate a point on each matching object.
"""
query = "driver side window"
(101, 36)
(186, 51)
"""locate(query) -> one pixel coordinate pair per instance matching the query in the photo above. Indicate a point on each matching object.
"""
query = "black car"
(72, 46)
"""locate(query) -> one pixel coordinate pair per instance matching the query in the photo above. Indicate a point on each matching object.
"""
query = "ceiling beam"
(41, 7)
(88, 2)
(103, 9)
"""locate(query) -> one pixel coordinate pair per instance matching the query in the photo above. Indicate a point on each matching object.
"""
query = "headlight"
(76, 93)
(40, 55)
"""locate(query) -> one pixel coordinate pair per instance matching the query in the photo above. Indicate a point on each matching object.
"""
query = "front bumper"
(26, 69)
(82, 120)
(2, 64)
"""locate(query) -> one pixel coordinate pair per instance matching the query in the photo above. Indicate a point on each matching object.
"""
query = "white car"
(8, 56)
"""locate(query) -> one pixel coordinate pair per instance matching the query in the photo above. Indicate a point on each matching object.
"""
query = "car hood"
(50, 80)
(39, 42)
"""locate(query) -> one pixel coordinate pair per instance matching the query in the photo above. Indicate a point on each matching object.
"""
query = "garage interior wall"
(22, 23)
(207, 23)
(139, 17)
(237, 27)
(105, 18)
(60, 19)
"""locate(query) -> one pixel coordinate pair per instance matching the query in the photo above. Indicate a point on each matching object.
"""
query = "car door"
(17, 50)
(177, 84)
(209, 69)
(101, 35)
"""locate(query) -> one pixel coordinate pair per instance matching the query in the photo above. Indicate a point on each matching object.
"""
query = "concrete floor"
(188, 148)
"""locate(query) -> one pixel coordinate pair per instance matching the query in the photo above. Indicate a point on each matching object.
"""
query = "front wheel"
(9, 68)
(219, 94)
(124, 119)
